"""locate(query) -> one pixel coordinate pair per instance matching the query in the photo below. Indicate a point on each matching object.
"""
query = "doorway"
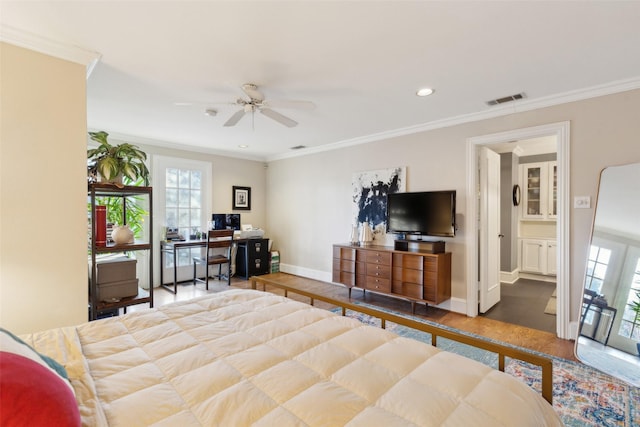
(561, 133)
(526, 215)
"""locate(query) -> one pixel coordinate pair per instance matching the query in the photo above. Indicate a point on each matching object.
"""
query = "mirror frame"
(592, 347)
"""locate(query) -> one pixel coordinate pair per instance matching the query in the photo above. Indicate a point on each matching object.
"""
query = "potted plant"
(112, 162)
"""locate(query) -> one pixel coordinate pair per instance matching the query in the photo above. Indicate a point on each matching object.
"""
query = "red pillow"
(32, 395)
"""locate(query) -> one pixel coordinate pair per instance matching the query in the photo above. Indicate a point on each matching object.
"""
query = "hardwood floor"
(533, 339)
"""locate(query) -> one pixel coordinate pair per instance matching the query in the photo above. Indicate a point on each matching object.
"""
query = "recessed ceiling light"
(243, 146)
(425, 91)
(210, 112)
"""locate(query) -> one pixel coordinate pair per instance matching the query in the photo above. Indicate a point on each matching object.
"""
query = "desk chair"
(216, 239)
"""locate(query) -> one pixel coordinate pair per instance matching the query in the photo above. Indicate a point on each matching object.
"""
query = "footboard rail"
(502, 351)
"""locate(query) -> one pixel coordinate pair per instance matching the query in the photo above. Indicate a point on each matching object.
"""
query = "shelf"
(144, 296)
(112, 247)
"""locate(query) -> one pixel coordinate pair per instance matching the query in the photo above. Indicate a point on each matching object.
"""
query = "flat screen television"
(427, 213)
(226, 221)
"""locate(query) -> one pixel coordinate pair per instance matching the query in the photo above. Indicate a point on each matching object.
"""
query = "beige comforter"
(244, 357)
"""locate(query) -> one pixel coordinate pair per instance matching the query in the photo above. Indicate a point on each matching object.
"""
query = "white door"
(489, 245)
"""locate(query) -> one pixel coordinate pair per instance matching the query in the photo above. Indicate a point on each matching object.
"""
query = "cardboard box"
(114, 291)
(115, 268)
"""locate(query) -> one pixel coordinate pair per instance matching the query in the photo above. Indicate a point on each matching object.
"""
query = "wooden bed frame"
(502, 351)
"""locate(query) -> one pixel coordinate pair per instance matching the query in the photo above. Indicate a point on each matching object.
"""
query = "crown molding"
(54, 48)
(493, 112)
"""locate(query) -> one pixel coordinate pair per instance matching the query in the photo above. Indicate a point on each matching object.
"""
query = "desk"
(598, 310)
(254, 257)
(173, 247)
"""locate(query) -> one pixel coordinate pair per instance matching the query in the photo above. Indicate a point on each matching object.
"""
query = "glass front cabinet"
(539, 188)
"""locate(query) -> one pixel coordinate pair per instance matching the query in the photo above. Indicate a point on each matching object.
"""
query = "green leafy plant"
(635, 306)
(113, 161)
(134, 216)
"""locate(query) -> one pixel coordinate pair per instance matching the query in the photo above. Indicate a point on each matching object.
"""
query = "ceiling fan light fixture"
(425, 91)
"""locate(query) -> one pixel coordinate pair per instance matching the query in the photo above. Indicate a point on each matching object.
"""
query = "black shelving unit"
(96, 307)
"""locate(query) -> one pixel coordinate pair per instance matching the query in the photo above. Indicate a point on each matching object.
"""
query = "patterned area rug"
(582, 396)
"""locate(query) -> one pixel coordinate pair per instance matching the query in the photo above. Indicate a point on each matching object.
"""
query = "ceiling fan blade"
(252, 91)
(284, 120)
(235, 118)
(290, 103)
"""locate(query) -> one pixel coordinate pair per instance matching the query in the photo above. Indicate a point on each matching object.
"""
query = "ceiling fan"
(256, 102)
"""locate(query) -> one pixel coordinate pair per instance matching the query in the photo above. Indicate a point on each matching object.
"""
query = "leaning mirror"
(609, 328)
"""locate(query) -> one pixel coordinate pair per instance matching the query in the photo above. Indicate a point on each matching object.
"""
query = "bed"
(246, 357)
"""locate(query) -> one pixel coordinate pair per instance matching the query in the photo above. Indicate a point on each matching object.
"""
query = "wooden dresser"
(416, 276)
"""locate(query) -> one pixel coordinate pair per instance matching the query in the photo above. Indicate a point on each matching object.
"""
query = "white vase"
(354, 235)
(122, 234)
(366, 234)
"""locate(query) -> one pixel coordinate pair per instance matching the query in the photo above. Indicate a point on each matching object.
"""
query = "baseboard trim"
(540, 277)
(509, 276)
(306, 272)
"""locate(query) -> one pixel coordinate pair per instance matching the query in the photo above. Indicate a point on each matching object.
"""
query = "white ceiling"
(359, 62)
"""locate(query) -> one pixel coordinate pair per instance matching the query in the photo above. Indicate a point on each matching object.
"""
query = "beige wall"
(43, 262)
(226, 172)
(309, 198)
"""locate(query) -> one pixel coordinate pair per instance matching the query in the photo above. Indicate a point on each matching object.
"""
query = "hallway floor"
(523, 303)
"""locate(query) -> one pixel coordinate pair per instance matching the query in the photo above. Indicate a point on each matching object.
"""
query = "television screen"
(429, 213)
(225, 221)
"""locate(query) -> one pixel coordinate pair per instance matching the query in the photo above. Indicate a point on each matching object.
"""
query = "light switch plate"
(582, 202)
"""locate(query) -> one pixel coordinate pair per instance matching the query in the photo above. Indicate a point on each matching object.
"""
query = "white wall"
(43, 222)
(309, 197)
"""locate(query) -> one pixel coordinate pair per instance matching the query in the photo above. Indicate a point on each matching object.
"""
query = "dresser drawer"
(344, 253)
(408, 275)
(344, 265)
(413, 262)
(378, 284)
(378, 270)
(347, 279)
(430, 263)
(410, 290)
(378, 257)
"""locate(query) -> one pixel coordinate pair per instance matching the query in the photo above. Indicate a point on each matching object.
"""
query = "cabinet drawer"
(376, 257)
(429, 293)
(348, 279)
(377, 270)
(430, 263)
(410, 290)
(344, 253)
(378, 284)
(344, 265)
(407, 275)
(413, 262)
(430, 278)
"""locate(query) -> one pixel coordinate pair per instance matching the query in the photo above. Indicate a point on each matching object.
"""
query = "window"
(182, 200)
(596, 271)
(597, 268)
(183, 205)
(629, 325)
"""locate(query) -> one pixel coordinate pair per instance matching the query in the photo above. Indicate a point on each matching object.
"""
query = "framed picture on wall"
(241, 198)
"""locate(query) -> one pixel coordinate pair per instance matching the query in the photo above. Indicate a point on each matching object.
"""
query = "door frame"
(561, 131)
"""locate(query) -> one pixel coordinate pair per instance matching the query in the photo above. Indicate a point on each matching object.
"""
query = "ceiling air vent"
(298, 147)
(509, 98)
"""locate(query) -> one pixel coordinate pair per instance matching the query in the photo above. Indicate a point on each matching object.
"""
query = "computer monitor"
(226, 221)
